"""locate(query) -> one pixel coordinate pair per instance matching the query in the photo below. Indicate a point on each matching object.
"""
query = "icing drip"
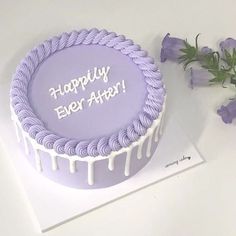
(140, 148)
(127, 162)
(26, 144)
(54, 162)
(17, 131)
(72, 166)
(149, 145)
(161, 126)
(37, 160)
(90, 172)
(111, 161)
(157, 133)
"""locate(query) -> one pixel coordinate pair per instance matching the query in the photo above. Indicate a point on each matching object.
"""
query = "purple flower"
(228, 113)
(202, 54)
(205, 50)
(199, 77)
(171, 48)
(228, 44)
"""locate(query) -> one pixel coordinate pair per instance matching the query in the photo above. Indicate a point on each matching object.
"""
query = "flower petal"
(228, 112)
(171, 48)
(206, 50)
(198, 77)
(228, 44)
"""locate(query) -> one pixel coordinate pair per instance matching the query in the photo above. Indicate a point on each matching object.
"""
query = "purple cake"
(87, 107)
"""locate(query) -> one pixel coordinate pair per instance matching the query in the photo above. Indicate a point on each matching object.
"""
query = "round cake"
(88, 108)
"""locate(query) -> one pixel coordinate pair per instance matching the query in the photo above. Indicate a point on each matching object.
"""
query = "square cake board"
(54, 204)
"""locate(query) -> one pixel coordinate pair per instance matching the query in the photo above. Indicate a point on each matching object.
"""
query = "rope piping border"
(96, 147)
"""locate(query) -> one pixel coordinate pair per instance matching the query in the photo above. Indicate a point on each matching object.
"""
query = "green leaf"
(187, 45)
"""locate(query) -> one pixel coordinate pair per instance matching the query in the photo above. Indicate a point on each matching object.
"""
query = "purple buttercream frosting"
(104, 145)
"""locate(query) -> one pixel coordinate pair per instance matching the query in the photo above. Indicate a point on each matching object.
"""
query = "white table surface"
(198, 202)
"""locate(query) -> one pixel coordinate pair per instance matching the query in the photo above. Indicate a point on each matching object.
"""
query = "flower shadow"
(182, 101)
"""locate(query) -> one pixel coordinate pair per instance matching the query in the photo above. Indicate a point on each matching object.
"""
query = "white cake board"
(54, 204)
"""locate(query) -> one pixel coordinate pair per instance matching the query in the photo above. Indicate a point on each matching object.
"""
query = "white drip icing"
(157, 134)
(154, 131)
(149, 144)
(26, 144)
(111, 161)
(127, 162)
(72, 166)
(54, 162)
(37, 160)
(90, 172)
(161, 117)
(161, 125)
(140, 148)
(17, 131)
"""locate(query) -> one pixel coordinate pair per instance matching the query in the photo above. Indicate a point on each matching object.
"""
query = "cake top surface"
(87, 93)
(75, 75)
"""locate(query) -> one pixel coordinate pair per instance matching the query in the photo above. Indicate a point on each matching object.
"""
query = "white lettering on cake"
(82, 82)
(98, 97)
(107, 94)
(95, 97)
(63, 111)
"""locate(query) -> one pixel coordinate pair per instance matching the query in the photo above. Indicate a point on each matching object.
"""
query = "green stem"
(196, 42)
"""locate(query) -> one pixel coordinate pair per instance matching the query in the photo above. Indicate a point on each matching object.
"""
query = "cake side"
(90, 172)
